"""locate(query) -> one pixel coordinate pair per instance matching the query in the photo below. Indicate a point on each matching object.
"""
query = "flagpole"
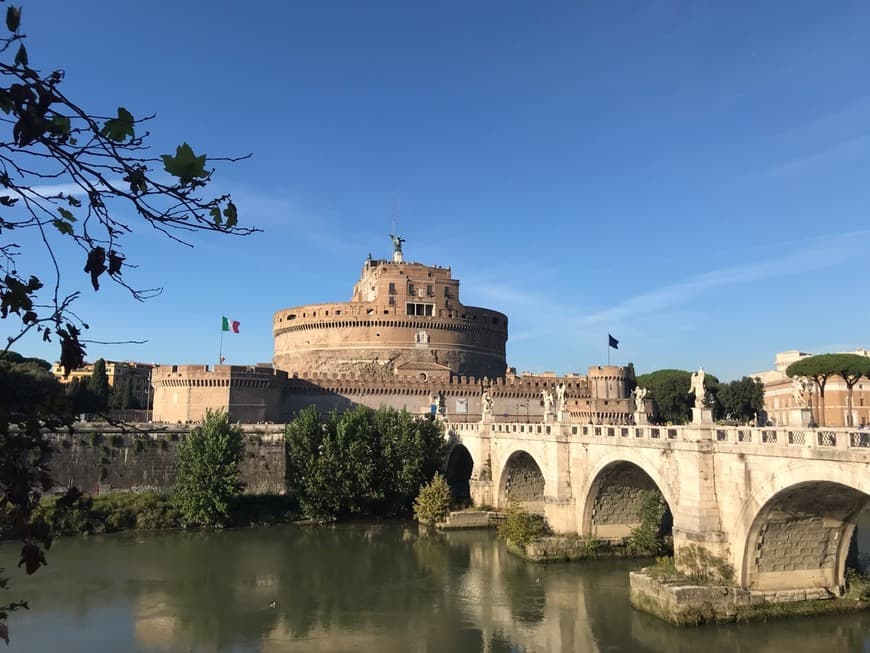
(608, 350)
(221, 350)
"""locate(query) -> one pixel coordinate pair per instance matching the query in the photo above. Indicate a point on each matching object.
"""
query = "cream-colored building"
(781, 400)
(116, 371)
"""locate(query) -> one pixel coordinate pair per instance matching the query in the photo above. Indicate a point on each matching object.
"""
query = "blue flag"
(612, 342)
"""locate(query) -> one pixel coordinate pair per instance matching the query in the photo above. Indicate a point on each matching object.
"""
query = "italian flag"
(230, 325)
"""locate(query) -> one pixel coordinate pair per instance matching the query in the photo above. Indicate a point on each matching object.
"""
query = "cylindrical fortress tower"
(608, 382)
(402, 317)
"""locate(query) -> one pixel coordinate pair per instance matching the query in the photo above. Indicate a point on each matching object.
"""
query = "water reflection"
(377, 587)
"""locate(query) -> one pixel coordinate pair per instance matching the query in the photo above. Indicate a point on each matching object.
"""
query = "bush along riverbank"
(146, 511)
(362, 463)
(530, 537)
(704, 593)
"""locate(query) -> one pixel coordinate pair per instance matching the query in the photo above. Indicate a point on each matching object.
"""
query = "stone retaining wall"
(101, 458)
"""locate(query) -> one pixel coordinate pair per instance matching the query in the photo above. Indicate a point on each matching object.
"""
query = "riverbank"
(115, 512)
(681, 602)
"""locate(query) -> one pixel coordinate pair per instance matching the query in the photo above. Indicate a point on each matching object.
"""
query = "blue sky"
(690, 178)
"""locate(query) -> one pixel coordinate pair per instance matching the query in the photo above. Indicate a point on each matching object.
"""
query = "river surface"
(384, 587)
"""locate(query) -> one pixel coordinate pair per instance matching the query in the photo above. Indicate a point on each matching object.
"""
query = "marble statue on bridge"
(799, 388)
(487, 406)
(696, 387)
(561, 398)
(639, 396)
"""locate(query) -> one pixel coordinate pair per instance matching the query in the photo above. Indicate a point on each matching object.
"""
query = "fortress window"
(419, 309)
(411, 289)
(429, 291)
(338, 312)
(392, 301)
(292, 316)
(392, 288)
(447, 292)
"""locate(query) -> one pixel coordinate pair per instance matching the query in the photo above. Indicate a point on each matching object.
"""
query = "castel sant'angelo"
(403, 340)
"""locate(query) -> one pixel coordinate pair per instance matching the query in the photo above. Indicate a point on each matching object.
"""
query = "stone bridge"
(778, 504)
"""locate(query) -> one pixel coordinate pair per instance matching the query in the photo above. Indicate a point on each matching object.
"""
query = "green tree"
(432, 505)
(51, 143)
(98, 386)
(121, 396)
(208, 471)
(669, 389)
(411, 450)
(363, 462)
(741, 400)
(850, 367)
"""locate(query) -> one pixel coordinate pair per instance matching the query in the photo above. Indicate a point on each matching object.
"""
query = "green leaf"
(215, 213)
(231, 215)
(63, 227)
(66, 214)
(185, 164)
(13, 18)
(21, 56)
(120, 128)
(60, 125)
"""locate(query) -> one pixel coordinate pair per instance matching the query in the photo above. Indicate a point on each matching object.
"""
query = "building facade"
(782, 399)
(138, 374)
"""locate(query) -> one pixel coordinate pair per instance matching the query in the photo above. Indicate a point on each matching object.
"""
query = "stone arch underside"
(800, 538)
(522, 483)
(615, 499)
(460, 465)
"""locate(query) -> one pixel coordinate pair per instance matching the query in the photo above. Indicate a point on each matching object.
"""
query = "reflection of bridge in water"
(779, 504)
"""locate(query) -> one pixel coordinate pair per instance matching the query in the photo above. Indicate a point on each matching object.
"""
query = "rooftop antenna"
(397, 241)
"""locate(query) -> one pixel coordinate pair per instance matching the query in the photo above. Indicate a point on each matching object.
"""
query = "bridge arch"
(458, 471)
(795, 531)
(611, 499)
(522, 481)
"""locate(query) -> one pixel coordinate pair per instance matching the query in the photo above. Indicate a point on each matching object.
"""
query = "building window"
(419, 309)
(392, 301)
(392, 288)
(447, 292)
(429, 291)
(411, 289)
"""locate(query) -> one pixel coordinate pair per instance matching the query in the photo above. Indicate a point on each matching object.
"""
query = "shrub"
(432, 504)
(521, 527)
(702, 567)
(208, 471)
(646, 538)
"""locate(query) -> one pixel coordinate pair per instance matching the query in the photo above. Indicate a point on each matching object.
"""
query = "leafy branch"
(68, 173)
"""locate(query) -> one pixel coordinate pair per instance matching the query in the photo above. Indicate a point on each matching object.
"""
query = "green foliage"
(741, 400)
(646, 538)
(363, 462)
(98, 386)
(670, 391)
(520, 527)
(208, 471)
(121, 397)
(108, 513)
(700, 566)
(432, 505)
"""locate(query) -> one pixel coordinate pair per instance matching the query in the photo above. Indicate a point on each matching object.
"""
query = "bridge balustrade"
(739, 436)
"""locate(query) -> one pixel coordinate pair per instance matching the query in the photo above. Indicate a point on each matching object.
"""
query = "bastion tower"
(403, 318)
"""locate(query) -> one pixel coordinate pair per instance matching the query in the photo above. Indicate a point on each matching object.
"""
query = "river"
(385, 587)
